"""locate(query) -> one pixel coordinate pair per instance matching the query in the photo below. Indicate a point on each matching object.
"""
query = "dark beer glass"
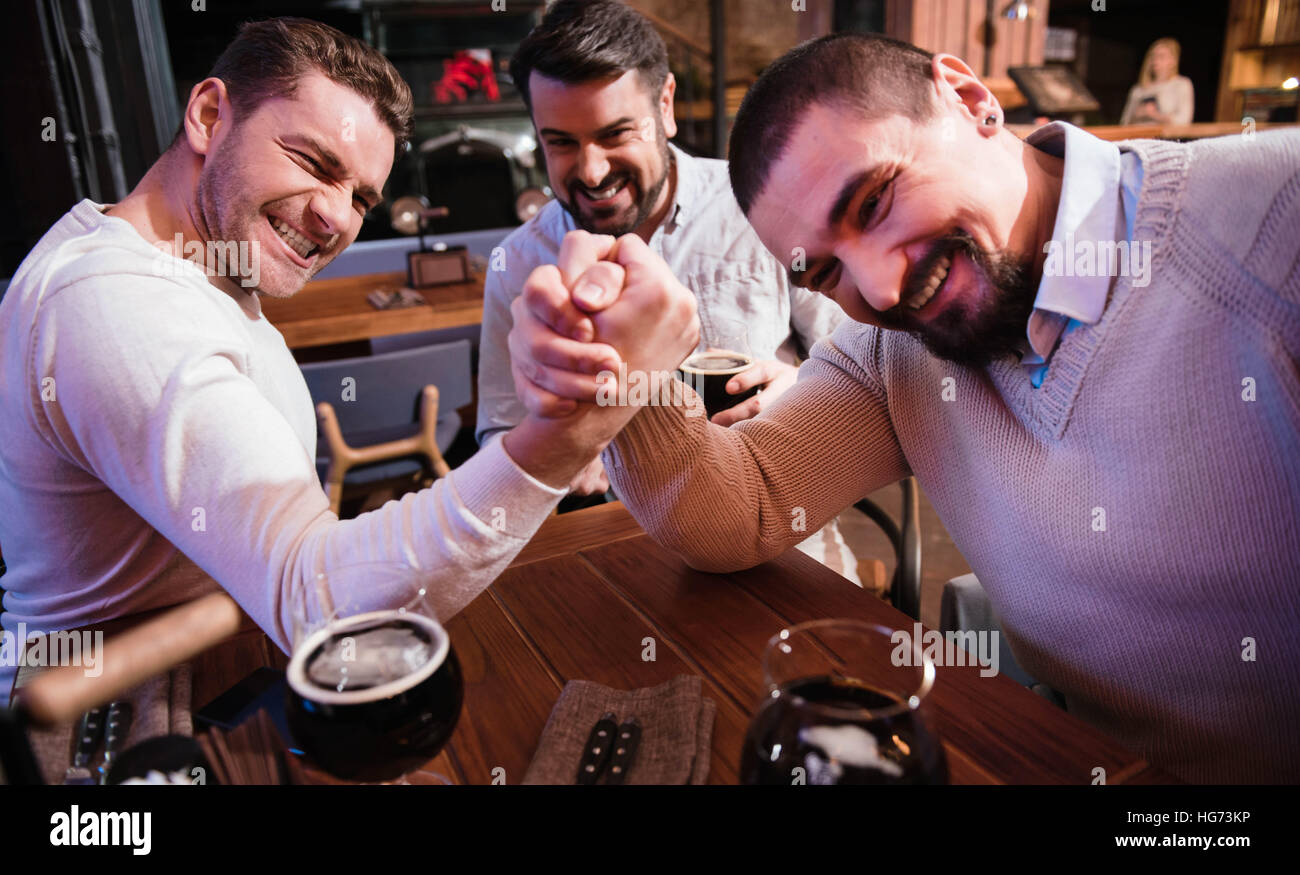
(374, 687)
(723, 353)
(843, 705)
(708, 372)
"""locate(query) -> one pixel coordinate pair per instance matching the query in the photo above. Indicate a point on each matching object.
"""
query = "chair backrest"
(383, 391)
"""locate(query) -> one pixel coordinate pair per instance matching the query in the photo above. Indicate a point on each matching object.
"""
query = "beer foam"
(297, 671)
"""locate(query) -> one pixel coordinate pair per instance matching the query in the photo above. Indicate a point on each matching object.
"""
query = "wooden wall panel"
(957, 27)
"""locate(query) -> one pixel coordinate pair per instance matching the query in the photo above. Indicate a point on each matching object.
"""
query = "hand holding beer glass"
(723, 353)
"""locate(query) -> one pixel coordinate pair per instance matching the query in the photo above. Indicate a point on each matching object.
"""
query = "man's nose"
(593, 166)
(333, 208)
(878, 276)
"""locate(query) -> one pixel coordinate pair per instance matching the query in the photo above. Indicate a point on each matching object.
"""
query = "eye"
(819, 281)
(314, 164)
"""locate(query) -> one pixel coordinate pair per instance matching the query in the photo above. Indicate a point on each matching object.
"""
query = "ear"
(666, 106)
(207, 112)
(958, 89)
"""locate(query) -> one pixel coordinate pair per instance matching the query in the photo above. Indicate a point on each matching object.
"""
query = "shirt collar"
(1090, 209)
(685, 191)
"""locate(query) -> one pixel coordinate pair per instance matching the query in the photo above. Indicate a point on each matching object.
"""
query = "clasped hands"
(609, 302)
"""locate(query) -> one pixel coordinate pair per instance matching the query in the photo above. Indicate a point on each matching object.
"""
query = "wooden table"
(336, 310)
(587, 590)
(582, 596)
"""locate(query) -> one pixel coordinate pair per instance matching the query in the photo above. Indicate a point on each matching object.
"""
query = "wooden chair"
(905, 589)
(344, 457)
(388, 415)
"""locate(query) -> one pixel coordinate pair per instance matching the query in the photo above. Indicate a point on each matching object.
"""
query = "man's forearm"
(556, 450)
(729, 498)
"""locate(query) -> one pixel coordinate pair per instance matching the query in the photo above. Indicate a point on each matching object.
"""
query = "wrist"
(556, 450)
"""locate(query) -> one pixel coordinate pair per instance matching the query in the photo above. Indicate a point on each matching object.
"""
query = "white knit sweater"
(157, 439)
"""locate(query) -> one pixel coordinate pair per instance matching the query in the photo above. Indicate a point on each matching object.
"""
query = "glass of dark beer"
(374, 687)
(843, 705)
(723, 353)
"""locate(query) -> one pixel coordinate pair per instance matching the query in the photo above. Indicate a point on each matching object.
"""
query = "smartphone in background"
(262, 688)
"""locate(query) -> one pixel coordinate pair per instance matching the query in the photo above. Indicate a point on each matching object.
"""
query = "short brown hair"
(875, 75)
(268, 58)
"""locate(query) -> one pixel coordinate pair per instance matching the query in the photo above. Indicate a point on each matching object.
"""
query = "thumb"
(598, 287)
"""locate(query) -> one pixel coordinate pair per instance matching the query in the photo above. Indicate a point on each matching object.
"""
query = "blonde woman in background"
(1161, 96)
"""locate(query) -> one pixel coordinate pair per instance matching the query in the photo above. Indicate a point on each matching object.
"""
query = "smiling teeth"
(921, 298)
(296, 241)
(606, 193)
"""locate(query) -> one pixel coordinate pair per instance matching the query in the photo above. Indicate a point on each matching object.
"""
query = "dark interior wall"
(41, 178)
(197, 38)
(34, 172)
(1114, 42)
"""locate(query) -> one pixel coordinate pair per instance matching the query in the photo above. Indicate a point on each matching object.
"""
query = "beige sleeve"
(1184, 102)
(731, 498)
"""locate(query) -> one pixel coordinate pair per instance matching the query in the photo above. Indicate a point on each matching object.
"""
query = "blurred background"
(113, 75)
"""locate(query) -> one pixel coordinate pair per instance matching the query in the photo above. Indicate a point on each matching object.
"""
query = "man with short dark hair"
(1093, 371)
(594, 74)
(158, 436)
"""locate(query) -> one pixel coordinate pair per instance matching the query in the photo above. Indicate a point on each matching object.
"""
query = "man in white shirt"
(158, 437)
(595, 77)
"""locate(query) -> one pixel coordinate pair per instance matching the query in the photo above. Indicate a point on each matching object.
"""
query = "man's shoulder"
(1248, 165)
(713, 188)
(1230, 206)
(1244, 189)
(539, 238)
(103, 281)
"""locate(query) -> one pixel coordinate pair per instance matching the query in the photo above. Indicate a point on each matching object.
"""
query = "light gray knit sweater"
(1136, 520)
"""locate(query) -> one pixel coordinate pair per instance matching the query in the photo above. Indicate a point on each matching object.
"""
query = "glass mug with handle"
(374, 686)
(839, 709)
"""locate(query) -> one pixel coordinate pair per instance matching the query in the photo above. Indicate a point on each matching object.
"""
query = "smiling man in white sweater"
(158, 437)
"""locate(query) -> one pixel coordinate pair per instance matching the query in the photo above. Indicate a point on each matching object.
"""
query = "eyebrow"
(367, 192)
(847, 193)
(556, 132)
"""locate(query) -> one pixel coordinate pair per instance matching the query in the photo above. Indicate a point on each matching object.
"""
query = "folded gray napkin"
(161, 706)
(403, 297)
(676, 722)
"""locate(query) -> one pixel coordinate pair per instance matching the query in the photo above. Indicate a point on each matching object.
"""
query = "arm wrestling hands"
(566, 333)
(567, 330)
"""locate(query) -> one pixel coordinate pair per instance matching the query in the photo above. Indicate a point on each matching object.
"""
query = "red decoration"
(464, 73)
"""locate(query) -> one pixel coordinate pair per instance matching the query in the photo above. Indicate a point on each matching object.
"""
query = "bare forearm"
(556, 450)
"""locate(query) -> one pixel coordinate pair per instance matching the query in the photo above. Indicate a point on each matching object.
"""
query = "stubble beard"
(221, 219)
(637, 215)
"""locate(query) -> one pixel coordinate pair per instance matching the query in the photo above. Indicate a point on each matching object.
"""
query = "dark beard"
(966, 335)
(643, 208)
